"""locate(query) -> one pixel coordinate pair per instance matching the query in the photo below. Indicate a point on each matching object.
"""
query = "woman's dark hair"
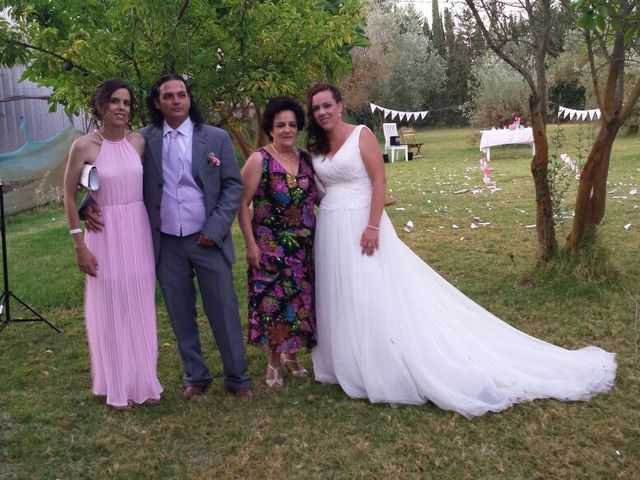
(156, 115)
(277, 105)
(317, 141)
(102, 94)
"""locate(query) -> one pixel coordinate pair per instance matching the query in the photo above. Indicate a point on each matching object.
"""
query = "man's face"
(174, 102)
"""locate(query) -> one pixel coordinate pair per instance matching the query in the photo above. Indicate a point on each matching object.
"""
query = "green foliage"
(567, 94)
(437, 29)
(400, 69)
(609, 15)
(234, 51)
(500, 93)
(559, 176)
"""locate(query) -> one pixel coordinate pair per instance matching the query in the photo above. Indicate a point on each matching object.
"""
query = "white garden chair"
(390, 130)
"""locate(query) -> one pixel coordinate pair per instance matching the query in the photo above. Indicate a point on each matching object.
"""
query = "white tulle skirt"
(390, 329)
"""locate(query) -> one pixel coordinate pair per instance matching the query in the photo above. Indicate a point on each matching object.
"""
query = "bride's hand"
(369, 240)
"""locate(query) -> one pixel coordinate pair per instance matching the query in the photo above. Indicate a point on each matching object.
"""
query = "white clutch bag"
(89, 177)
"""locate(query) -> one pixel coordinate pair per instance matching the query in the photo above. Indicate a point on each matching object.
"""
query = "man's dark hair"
(156, 115)
(102, 94)
(277, 105)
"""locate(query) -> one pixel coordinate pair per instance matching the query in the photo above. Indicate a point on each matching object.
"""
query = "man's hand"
(93, 217)
(205, 240)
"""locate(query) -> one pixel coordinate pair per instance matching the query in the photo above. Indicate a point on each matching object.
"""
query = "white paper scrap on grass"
(627, 226)
(530, 226)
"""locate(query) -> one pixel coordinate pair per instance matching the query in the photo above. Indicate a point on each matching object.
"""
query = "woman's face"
(285, 129)
(326, 111)
(116, 111)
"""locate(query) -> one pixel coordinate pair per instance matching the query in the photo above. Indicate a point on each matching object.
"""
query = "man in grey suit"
(192, 190)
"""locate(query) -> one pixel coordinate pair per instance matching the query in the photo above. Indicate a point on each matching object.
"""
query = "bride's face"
(326, 111)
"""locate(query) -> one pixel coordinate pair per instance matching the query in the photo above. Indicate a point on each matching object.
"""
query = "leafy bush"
(500, 93)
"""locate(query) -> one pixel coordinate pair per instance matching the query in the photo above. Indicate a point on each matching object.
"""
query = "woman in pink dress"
(120, 313)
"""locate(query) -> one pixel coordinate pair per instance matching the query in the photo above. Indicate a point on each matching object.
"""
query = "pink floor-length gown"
(120, 311)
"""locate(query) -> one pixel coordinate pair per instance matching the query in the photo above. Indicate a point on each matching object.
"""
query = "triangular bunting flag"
(565, 112)
(401, 115)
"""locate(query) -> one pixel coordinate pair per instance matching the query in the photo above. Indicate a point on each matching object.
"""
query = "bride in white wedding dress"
(390, 329)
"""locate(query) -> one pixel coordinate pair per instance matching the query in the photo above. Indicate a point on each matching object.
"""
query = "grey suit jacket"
(221, 184)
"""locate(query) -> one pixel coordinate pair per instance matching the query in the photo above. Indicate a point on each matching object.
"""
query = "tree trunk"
(545, 226)
(244, 146)
(592, 191)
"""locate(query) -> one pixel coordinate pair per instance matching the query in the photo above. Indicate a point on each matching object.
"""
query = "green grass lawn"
(52, 427)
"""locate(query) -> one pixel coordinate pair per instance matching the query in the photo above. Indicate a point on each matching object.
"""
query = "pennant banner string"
(564, 112)
(397, 113)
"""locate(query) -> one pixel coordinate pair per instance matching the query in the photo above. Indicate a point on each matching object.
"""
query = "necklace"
(292, 181)
(292, 159)
(104, 137)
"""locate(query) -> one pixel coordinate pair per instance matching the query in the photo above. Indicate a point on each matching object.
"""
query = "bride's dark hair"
(317, 141)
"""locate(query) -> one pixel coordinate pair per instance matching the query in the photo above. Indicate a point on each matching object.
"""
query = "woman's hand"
(369, 241)
(87, 262)
(253, 255)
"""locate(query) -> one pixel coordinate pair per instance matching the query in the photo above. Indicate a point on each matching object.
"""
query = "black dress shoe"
(244, 393)
(193, 391)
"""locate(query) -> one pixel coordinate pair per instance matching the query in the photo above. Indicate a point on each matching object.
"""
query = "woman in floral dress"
(278, 180)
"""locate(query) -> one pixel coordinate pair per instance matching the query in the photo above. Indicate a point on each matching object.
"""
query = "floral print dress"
(281, 291)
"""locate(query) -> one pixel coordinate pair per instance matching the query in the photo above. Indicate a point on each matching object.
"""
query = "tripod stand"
(7, 295)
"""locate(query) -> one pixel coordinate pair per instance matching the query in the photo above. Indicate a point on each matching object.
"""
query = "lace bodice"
(344, 176)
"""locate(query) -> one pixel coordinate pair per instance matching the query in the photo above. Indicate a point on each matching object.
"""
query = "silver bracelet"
(75, 231)
(374, 227)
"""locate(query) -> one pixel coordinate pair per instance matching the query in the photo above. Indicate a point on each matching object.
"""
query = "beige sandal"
(291, 365)
(277, 380)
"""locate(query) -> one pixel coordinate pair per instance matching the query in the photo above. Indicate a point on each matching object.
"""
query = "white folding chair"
(390, 130)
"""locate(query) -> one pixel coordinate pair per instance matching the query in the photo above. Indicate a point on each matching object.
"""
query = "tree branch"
(497, 47)
(594, 73)
(49, 52)
(631, 103)
(15, 98)
(183, 8)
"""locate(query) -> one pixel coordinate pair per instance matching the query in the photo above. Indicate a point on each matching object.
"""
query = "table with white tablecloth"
(496, 137)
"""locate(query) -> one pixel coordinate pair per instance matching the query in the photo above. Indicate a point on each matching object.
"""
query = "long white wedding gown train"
(390, 329)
